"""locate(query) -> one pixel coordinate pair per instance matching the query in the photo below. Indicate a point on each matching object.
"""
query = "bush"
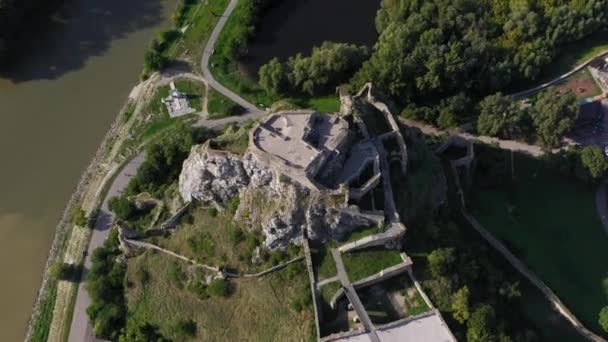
(105, 286)
(122, 207)
(202, 243)
(236, 235)
(79, 217)
(594, 160)
(603, 318)
(233, 205)
(219, 288)
(199, 289)
(154, 60)
(65, 271)
(185, 328)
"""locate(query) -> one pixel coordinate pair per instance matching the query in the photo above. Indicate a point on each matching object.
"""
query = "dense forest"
(445, 62)
(440, 49)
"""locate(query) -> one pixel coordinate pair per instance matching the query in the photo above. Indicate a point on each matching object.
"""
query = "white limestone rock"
(211, 176)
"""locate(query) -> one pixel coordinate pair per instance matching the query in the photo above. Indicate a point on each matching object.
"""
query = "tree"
(603, 318)
(79, 217)
(122, 207)
(64, 271)
(460, 305)
(328, 66)
(594, 161)
(499, 116)
(441, 260)
(553, 115)
(480, 327)
(154, 60)
(185, 328)
(138, 331)
(273, 77)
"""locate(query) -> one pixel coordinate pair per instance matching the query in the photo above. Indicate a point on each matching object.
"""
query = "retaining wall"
(374, 279)
(313, 287)
(395, 232)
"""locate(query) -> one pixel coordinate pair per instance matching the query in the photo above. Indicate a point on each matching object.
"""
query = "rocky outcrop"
(211, 176)
(281, 207)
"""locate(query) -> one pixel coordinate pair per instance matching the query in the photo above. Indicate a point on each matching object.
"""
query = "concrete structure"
(177, 103)
(424, 327)
(300, 143)
(599, 69)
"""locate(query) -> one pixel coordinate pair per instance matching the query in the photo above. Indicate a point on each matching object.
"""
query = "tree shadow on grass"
(65, 40)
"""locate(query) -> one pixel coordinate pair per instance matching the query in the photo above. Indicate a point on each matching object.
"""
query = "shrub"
(65, 271)
(79, 217)
(603, 318)
(122, 207)
(233, 205)
(199, 289)
(154, 60)
(202, 243)
(185, 328)
(219, 288)
(236, 235)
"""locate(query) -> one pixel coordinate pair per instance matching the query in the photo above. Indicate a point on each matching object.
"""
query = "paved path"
(353, 297)
(512, 145)
(601, 204)
(209, 48)
(576, 69)
(80, 329)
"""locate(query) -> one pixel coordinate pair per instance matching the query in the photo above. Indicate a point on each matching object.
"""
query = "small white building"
(177, 103)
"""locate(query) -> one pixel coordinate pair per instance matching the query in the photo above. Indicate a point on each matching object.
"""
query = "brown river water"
(57, 100)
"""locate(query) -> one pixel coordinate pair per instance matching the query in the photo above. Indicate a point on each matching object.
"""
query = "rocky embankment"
(282, 208)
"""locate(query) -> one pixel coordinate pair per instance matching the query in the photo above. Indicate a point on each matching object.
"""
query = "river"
(293, 26)
(56, 103)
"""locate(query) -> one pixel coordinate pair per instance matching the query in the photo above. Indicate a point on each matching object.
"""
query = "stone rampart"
(313, 287)
(395, 232)
(174, 220)
(386, 273)
(459, 142)
(357, 193)
(388, 116)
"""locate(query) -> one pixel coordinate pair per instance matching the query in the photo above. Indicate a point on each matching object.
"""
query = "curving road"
(80, 329)
(217, 30)
(576, 69)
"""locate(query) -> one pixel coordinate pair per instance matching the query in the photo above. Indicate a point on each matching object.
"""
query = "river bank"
(65, 227)
(59, 100)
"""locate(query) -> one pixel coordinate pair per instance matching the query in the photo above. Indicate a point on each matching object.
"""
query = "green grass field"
(328, 104)
(220, 106)
(323, 261)
(361, 233)
(551, 223)
(200, 20)
(367, 262)
(194, 90)
(257, 310)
